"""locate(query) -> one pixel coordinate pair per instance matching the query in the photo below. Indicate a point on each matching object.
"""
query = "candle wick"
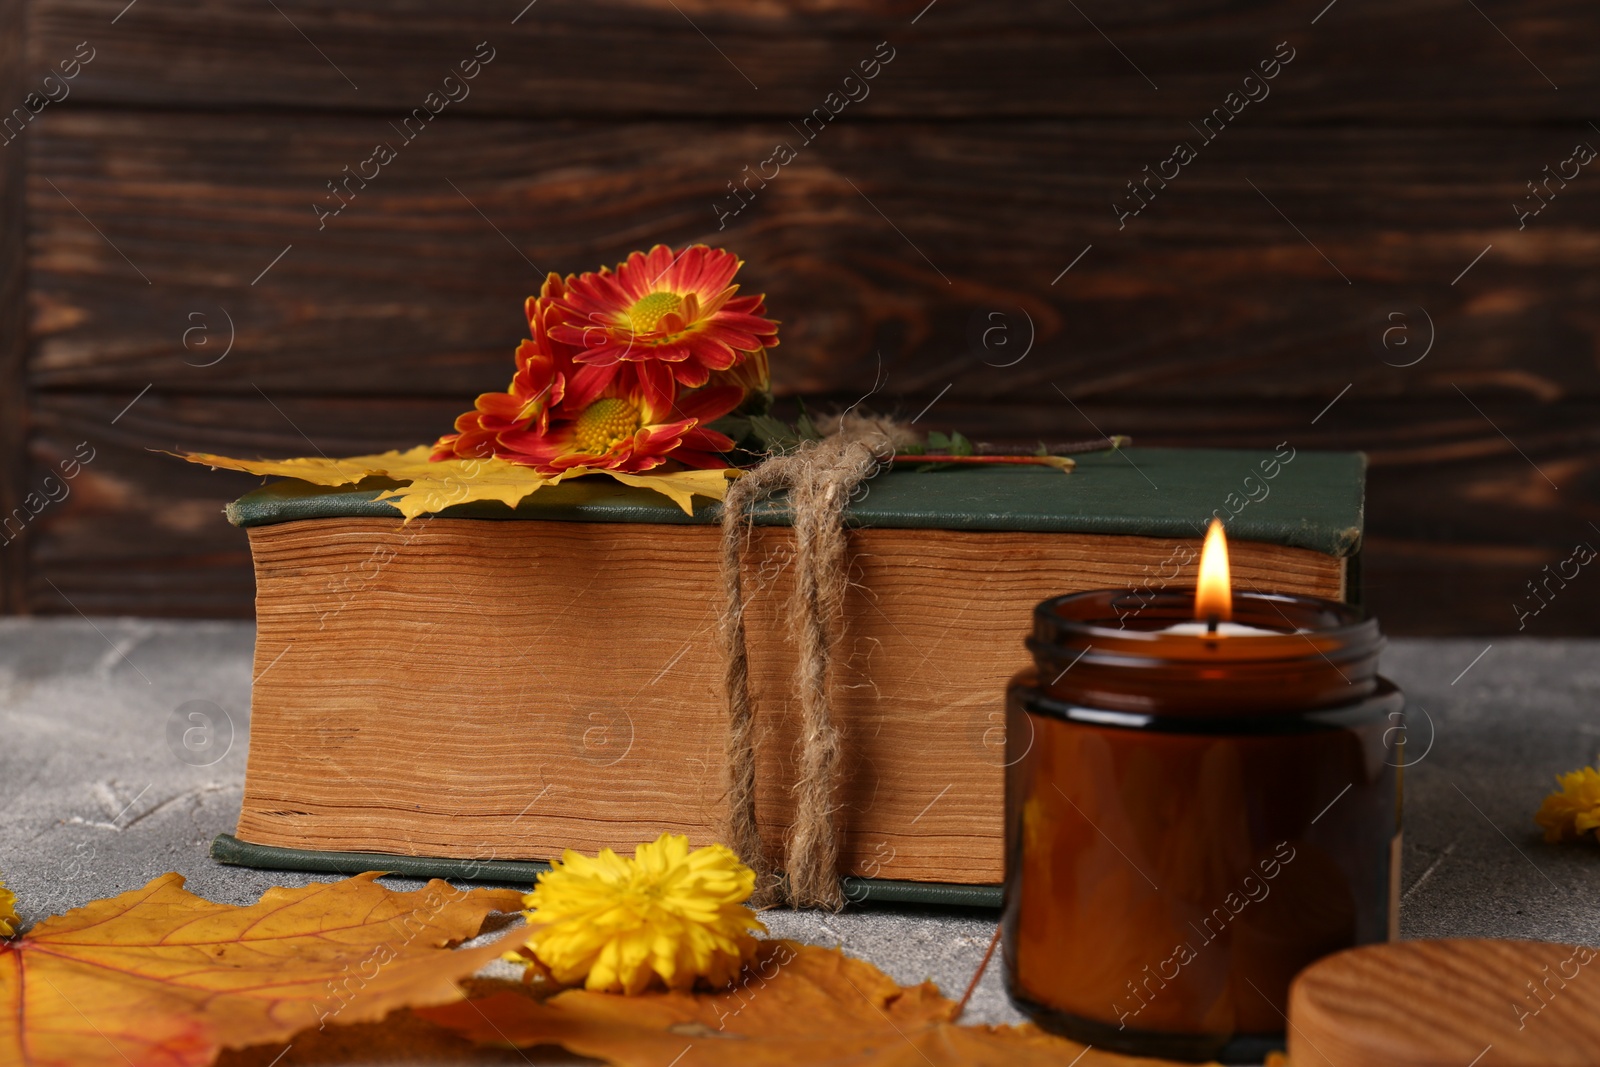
(1212, 621)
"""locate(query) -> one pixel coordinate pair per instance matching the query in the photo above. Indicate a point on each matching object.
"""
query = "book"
(494, 684)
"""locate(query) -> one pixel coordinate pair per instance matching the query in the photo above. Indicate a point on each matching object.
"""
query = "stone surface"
(99, 793)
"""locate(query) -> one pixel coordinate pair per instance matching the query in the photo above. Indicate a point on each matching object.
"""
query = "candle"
(1200, 800)
(1213, 594)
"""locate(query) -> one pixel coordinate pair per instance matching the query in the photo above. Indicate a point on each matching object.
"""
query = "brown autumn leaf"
(159, 976)
(797, 1005)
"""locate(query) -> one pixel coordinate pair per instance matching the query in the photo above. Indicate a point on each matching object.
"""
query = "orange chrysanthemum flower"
(558, 414)
(679, 310)
(620, 419)
(533, 391)
(753, 375)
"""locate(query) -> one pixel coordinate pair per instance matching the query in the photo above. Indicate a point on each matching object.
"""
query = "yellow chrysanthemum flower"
(667, 916)
(1573, 811)
(9, 919)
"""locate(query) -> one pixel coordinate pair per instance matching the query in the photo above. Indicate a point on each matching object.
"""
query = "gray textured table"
(95, 801)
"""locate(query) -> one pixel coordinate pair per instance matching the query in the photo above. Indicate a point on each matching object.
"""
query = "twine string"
(820, 477)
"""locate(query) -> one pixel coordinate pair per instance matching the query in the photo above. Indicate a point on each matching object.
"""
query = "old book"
(494, 684)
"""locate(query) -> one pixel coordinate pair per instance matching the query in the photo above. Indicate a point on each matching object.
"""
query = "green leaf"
(755, 403)
(772, 434)
(805, 427)
(735, 426)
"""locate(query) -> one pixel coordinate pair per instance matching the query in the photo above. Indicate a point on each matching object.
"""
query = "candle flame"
(1213, 594)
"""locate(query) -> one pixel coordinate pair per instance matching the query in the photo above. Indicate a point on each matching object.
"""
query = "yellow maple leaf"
(160, 976)
(794, 1005)
(433, 486)
(318, 470)
(678, 486)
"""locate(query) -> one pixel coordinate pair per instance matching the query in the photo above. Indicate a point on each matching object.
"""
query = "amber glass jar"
(1192, 819)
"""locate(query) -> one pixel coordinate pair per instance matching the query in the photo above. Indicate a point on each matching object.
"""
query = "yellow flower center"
(604, 423)
(651, 309)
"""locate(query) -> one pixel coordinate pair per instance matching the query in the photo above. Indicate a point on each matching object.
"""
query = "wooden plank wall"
(1341, 264)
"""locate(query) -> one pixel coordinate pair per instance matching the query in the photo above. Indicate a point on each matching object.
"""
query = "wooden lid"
(1452, 1003)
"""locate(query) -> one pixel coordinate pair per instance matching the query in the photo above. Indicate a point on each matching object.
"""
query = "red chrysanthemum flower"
(538, 385)
(680, 310)
(558, 414)
(617, 419)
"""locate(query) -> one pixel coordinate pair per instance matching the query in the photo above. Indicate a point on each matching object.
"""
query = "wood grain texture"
(588, 713)
(939, 247)
(1446, 1004)
(143, 533)
(919, 242)
(13, 319)
(1401, 61)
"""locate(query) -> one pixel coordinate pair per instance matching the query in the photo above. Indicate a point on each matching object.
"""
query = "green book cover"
(1303, 499)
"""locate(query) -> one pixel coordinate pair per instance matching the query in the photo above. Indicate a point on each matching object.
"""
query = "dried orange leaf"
(796, 1005)
(432, 487)
(158, 976)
